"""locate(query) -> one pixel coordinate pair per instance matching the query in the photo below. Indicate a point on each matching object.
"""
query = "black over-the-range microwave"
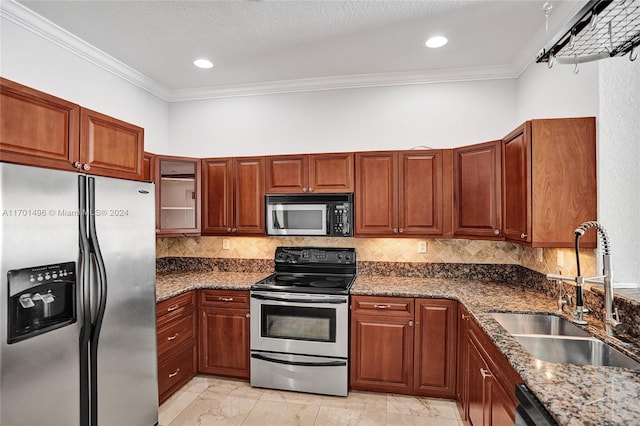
(329, 215)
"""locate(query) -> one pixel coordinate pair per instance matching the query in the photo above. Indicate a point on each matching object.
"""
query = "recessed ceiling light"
(203, 63)
(436, 41)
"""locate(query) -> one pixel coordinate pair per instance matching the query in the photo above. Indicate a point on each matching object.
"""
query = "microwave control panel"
(341, 223)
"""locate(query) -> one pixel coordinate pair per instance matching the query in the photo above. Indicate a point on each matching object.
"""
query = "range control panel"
(307, 255)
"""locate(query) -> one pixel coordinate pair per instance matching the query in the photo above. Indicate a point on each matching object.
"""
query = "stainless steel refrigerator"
(77, 300)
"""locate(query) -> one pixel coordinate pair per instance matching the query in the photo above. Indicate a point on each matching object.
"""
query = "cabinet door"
(217, 196)
(331, 172)
(420, 193)
(177, 196)
(478, 190)
(224, 341)
(110, 147)
(36, 128)
(287, 174)
(376, 193)
(248, 204)
(478, 391)
(501, 405)
(434, 363)
(148, 167)
(381, 354)
(516, 180)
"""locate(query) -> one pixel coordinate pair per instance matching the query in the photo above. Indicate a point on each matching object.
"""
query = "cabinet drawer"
(174, 307)
(225, 298)
(173, 334)
(387, 306)
(177, 370)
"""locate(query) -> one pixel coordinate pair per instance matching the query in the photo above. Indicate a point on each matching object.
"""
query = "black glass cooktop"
(326, 270)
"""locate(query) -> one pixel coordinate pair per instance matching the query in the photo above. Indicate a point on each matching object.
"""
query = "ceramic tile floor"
(217, 401)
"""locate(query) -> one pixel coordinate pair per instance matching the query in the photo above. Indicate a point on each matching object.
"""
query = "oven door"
(305, 324)
(296, 219)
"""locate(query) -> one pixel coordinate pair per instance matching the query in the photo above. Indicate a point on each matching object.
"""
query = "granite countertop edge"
(574, 395)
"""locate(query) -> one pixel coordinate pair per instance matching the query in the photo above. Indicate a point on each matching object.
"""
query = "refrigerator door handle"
(101, 275)
(84, 277)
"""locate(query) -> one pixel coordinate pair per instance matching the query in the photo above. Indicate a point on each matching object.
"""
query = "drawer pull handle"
(172, 308)
(175, 373)
(523, 236)
(226, 299)
(485, 373)
(382, 306)
(173, 337)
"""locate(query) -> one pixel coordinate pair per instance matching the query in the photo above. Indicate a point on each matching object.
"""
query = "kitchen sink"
(575, 350)
(555, 339)
(545, 324)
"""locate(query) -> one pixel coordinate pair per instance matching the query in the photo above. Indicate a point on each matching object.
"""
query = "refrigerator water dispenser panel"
(41, 299)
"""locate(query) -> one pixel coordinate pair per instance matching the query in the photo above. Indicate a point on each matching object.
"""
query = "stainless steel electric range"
(300, 321)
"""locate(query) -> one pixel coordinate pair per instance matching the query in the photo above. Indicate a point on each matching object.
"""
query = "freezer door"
(39, 376)
(126, 355)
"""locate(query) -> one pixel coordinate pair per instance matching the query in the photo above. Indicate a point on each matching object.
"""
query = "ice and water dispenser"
(41, 299)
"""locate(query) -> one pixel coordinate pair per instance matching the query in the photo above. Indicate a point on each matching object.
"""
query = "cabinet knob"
(304, 189)
(523, 236)
(86, 167)
(228, 229)
(310, 189)
(234, 229)
(410, 323)
(77, 165)
(248, 315)
(496, 232)
(395, 230)
(401, 230)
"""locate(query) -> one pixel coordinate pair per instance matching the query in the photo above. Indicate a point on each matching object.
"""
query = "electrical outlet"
(225, 244)
(539, 255)
(422, 247)
(560, 258)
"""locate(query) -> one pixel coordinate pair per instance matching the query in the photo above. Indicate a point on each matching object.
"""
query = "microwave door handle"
(302, 364)
(276, 222)
(293, 300)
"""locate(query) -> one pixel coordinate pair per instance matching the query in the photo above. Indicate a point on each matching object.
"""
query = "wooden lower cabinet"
(489, 381)
(177, 332)
(397, 349)
(224, 333)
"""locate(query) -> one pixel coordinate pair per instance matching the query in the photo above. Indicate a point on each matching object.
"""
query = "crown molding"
(347, 82)
(36, 24)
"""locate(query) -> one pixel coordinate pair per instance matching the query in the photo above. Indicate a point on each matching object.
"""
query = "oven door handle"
(299, 363)
(278, 299)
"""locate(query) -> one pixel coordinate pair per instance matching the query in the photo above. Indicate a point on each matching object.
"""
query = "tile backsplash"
(388, 250)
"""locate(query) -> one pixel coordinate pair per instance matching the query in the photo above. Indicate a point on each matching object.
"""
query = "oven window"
(299, 323)
(298, 219)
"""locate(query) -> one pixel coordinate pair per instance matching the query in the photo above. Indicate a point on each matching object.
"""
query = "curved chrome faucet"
(611, 319)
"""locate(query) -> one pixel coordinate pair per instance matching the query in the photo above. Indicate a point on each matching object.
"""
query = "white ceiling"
(278, 46)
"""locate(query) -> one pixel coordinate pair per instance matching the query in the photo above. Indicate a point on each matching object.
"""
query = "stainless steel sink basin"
(554, 339)
(572, 350)
(545, 324)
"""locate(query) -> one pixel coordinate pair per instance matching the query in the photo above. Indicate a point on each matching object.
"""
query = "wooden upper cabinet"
(233, 196)
(477, 190)
(41, 130)
(110, 147)
(317, 173)
(36, 128)
(549, 182)
(376, 195)
(177, 196)
(399, 193)
(420, 193)
(148, 167)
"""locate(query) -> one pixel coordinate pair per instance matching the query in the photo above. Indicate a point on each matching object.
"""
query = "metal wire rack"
(602, 29)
